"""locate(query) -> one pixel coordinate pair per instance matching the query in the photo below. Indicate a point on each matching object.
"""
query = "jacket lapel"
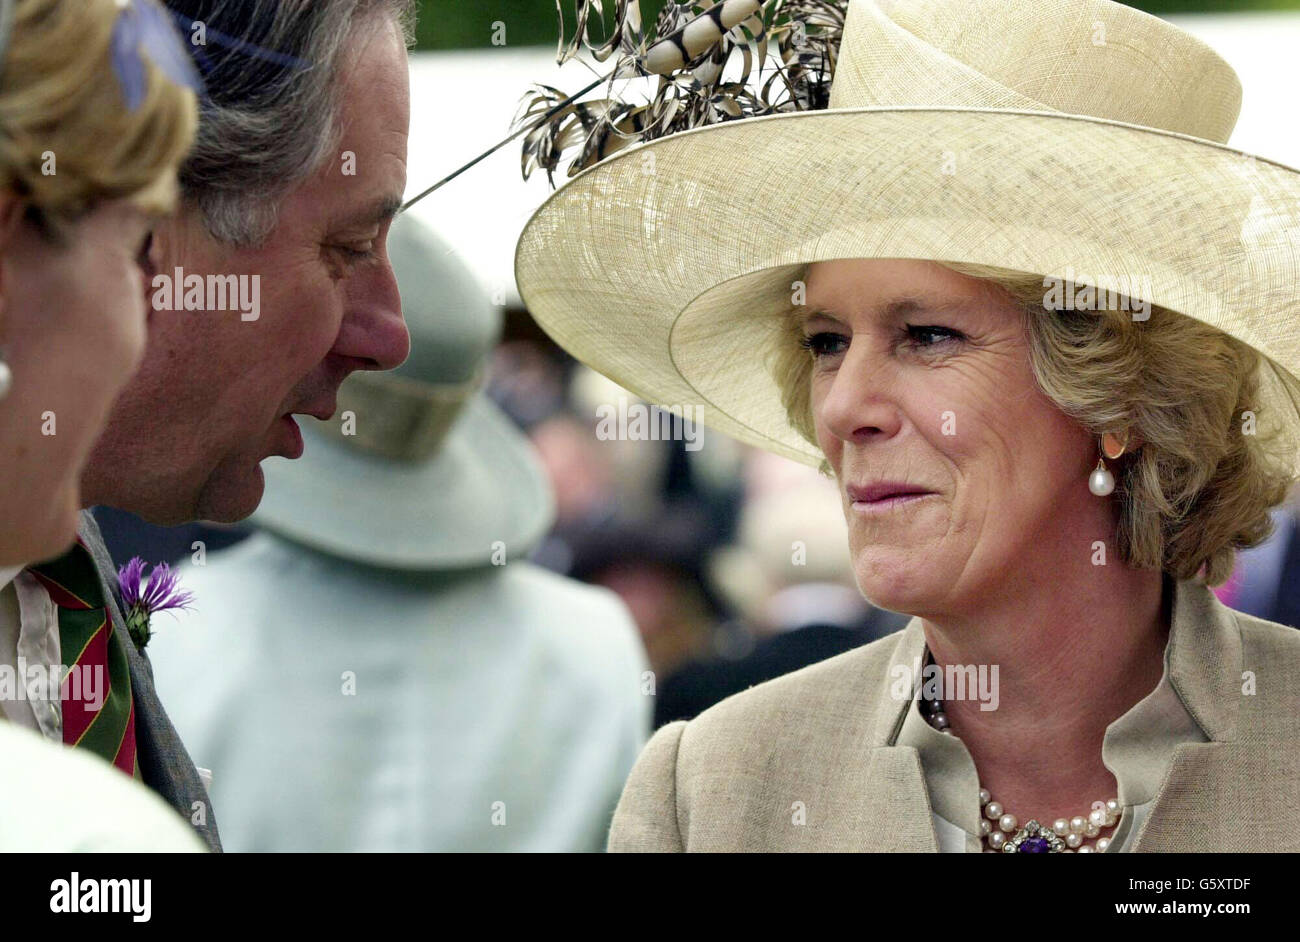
(1202, 805)
(164, 764)
(834, 765)
(1189, 806)
(1205, 659)
(898, 814)
(1205, 669)
(897, 810)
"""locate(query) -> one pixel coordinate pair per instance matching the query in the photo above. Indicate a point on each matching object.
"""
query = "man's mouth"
(319, 410)
(289, 442)
(292, 435)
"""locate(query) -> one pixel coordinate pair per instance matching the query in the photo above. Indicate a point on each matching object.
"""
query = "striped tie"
(90, 645)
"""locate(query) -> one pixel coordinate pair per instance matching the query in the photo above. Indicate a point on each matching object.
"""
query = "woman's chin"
(36, 547)
(898, 588)
(48, 538)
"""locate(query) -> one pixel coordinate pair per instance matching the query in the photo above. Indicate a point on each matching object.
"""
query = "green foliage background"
(467, 24)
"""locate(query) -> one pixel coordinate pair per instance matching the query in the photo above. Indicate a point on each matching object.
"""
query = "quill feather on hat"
(688, 49)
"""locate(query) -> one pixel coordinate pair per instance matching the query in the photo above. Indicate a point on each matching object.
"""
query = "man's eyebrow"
(376, 214)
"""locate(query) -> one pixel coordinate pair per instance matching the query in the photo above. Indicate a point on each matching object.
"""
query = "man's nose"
(373, 328)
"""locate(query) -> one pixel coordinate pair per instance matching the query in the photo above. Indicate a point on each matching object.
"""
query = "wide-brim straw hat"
(1078, 139)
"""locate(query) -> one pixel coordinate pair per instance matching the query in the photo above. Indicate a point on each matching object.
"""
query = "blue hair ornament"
(143, 30)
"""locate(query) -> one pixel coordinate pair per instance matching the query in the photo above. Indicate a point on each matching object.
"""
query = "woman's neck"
(1071, 656)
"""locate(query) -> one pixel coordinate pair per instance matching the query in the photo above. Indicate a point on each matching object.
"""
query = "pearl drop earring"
(6, 379)
(1101, 482)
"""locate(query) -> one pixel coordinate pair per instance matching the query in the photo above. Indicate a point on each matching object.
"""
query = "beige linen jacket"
(808, 762)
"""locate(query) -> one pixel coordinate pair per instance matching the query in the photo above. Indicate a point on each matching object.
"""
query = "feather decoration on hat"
(687, 51)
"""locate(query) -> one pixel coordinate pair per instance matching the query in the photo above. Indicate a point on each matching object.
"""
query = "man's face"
(216, 390)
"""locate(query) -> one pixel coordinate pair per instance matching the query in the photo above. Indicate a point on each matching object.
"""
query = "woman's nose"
(860, 404)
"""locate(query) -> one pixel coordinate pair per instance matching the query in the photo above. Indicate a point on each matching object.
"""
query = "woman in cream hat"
(1015, 293)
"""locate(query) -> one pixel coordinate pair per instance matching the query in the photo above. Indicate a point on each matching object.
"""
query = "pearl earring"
(6, 379)
(1101, 482)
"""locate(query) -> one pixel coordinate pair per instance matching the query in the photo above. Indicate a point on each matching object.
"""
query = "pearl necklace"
(1064, 836)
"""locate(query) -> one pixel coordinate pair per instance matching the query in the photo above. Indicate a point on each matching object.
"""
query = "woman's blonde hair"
(67, 138)
(1199, 486)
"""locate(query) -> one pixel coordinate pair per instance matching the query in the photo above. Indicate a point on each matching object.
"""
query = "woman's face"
(922, 378)
(72, 330)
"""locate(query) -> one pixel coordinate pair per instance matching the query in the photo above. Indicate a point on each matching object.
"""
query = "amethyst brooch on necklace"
(1033, 838)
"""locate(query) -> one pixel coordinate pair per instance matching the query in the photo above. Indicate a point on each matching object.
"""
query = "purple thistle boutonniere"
(141, 599)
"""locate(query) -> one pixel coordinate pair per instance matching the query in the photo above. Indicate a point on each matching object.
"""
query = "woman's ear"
(1115, 445)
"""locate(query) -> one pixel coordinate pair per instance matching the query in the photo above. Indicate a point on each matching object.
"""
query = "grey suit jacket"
(808, 762)
(164, 763)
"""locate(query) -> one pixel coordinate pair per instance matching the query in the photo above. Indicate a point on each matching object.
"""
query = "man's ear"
(170, 235)
(11, 218)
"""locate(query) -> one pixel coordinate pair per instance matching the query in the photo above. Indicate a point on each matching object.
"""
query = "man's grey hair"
(270, 115)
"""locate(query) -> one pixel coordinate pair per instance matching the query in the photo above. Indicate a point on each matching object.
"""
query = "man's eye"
(929, 335)
(356, 254)
(825, 344)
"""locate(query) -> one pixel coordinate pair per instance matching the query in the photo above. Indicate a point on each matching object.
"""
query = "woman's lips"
(883, 496)
(886, 504)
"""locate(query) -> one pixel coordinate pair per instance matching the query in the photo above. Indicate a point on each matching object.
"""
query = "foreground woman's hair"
(67, 141)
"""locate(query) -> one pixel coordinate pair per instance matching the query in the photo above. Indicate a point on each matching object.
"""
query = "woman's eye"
(825, 344)
(929, 335)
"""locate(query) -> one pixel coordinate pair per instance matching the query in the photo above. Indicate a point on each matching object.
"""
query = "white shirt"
(29, 648)
(52, 798)
(342, 708)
